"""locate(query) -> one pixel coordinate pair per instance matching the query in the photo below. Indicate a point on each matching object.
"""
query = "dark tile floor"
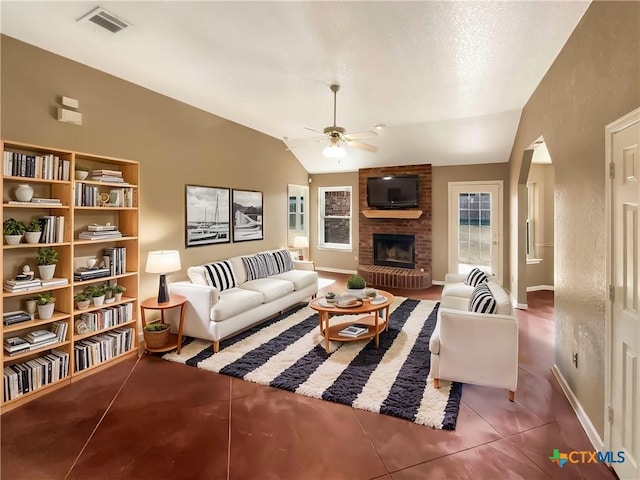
(147, 418)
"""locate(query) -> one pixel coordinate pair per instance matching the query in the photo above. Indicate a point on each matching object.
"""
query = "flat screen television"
(393, 192)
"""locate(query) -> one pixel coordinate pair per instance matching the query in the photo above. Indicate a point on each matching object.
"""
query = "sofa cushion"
(300, 278)
(255, 267)
(270, 261)
(234, 301)
(482, 301)
(283, 260)
(196, 275)
(220, 275)
(238, 270)
(476, 277)
(270, 288)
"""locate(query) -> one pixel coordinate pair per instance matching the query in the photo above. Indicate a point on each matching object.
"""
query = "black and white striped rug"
(288, 352)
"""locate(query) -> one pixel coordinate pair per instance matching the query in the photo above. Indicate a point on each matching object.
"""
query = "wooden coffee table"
(371, 319)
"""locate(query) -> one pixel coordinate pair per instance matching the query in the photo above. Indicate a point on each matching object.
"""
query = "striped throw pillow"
(220, 275)
(482, 301)
(283, 260)
(255, 266)
(475, 277)
(270, 261)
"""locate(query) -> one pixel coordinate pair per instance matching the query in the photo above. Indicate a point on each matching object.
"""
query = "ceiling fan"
(338, 135)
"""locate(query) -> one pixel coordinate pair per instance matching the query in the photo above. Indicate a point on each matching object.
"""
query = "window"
(334, 222)
(531, 216)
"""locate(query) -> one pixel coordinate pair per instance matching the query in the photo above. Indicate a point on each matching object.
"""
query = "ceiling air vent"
(106, 20)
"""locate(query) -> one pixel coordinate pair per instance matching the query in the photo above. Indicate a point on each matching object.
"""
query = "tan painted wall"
(593, 81)
(334, 259)
(542, 273)
(175, 144)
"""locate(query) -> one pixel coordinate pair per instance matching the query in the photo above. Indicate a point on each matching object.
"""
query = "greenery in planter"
(355, 282)
(47, 256)
(82, 297)
(44, 298)
(156, 327)
(34, 226)
(96, 290)
(11, 226)
(82, 168)
(119, 289)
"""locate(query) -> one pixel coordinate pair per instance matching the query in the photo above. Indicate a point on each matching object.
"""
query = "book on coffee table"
(354, 330)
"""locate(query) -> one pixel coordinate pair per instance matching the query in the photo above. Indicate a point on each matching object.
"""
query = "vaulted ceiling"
(448, 79)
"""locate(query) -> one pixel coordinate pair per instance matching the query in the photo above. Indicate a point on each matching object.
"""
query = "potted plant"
(82, 172)
(355, 286)
(47, 258)
(118, 291)
(83, 300)
(109, 293)
(97, 293)
(46, 304)
(33, 231)
(330, 297)
(13, 230)
(156, 334)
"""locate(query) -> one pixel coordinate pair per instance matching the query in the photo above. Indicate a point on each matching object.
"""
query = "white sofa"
(213, 314)
(476, 348)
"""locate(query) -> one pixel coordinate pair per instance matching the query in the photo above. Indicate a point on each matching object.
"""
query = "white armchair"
(476, 348)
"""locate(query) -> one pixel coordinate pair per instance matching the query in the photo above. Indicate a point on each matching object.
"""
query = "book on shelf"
(44, 343)
(23, 283)
(48, 167)
(9, 318)
(105, 171)
(354, 330)
(39, 336)
(13, 345)
(84, 273)
(101, 228)
(54, 282)
(21, 288)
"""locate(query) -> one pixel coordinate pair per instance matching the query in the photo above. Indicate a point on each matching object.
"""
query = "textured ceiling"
(449, 79)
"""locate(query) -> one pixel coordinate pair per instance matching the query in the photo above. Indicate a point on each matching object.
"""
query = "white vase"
(24, 193)
(32, 237)
(46, 271)
(98, 301)
(13, 239)
(81, 174)
(356, 292)
(46, 311)
(84, 304)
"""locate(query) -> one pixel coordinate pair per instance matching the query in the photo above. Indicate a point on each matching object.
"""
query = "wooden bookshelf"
(60, 183)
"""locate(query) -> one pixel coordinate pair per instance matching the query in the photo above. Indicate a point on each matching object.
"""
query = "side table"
(175, 341)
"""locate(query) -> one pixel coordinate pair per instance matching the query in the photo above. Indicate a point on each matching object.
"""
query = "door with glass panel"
(475, 227)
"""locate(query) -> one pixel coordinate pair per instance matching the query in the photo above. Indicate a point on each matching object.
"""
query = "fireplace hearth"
(394, 250)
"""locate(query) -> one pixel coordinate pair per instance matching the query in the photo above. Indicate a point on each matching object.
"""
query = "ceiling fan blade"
(302, 142)
(359, 135)
(362, 146)
(315, 131)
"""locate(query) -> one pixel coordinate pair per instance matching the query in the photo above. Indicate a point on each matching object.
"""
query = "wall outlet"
(575, 359)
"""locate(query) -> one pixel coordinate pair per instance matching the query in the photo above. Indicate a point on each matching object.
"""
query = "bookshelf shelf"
(50, 172)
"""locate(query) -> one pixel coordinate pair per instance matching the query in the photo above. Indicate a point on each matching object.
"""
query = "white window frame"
(321, 216)
(532, 218)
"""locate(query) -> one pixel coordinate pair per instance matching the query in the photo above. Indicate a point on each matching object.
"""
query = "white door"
(475, 227)
(624, 274)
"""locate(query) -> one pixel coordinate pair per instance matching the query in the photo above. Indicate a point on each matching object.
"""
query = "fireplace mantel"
(411, 214)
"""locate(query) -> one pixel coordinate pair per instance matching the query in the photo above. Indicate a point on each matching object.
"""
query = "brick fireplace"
(403, 271)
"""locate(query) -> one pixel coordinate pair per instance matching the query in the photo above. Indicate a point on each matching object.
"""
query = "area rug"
(288, 352)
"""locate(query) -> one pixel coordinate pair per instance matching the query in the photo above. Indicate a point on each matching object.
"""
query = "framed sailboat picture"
(247, 216)
(207, 215)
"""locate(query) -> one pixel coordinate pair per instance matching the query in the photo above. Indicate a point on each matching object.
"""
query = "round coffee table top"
(365, 307)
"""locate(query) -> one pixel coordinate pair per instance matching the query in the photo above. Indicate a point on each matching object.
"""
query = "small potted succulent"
(82, 172)
(83, 300)
(97, 293)
(330, 297)
(46, 304)
(370, 293)
(33, 231)
(156, 335)
(118, 290)
(13, 230)
(47, 258)
(356, 285)
(109, 293)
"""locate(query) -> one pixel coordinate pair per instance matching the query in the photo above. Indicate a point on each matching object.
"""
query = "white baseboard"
(537, 288)
(336, 270)
(437, 282)
(583, 418)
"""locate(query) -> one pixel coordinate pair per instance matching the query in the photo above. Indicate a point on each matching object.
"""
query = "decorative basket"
(156, 339)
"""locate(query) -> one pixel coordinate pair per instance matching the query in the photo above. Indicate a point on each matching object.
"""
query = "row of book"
(115, 259)
(21, 378)
(39, 202)
(105, 235)
(36, 339)
(108, 317)
(90, 196)
(19, 316)
(108, 176)
(52, 229)
(48, 167)
(100, 348)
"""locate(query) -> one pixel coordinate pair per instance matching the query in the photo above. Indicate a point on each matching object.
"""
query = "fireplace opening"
(394, 250)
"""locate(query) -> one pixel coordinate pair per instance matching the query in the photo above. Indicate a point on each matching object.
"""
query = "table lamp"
(163, 262)
(301, 242)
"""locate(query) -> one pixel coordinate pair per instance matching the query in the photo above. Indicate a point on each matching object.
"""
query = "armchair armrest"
(455, 277)
(303, 265)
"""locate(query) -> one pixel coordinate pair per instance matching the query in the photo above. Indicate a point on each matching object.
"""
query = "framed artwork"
(207, 215)
(247, 216)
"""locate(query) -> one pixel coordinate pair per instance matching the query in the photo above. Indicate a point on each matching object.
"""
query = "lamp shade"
(300, 241)
(163, 261)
